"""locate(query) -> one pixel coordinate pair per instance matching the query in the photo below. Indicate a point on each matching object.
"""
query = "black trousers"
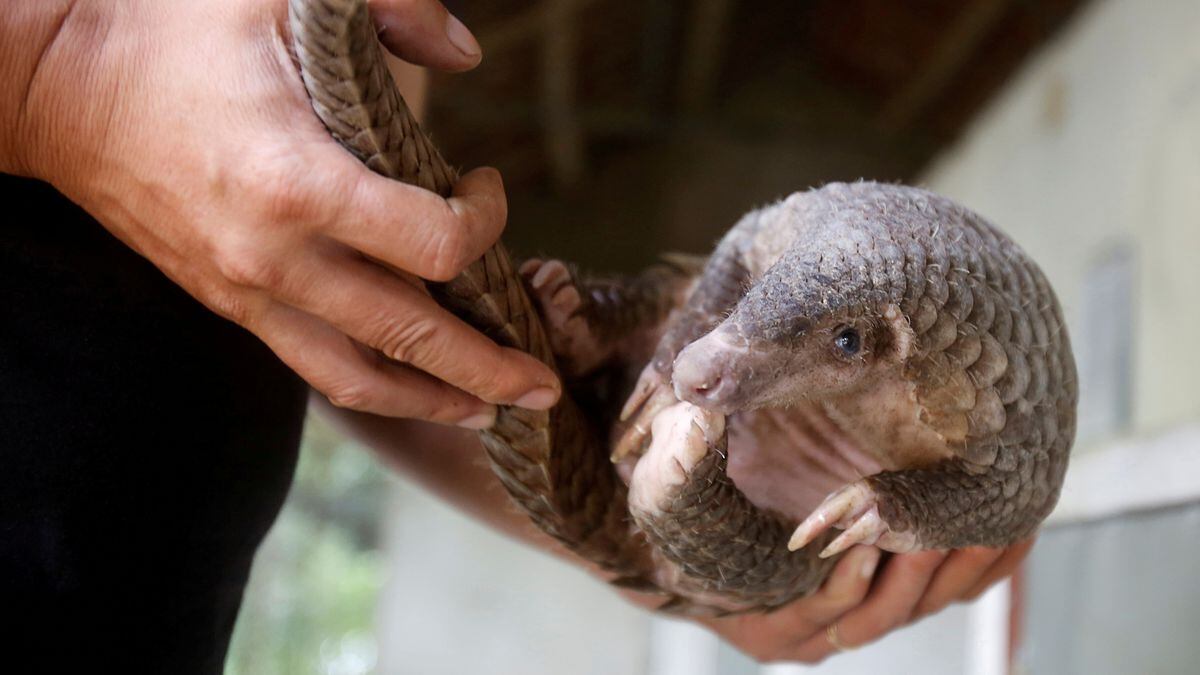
(146, 446)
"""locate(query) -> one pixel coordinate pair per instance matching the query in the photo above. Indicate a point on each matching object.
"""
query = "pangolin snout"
(704, 374)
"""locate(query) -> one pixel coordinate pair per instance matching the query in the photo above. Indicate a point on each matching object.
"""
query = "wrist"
(51, 54)
(28, 33)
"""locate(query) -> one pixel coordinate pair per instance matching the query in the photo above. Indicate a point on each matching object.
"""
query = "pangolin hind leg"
(594, 322)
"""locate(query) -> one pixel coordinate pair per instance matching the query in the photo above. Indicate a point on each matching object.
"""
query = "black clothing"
(146, 446)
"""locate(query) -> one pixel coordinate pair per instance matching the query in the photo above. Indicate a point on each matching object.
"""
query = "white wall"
(1093, 147)
(1091, 157)
(1097, 143)
(463, 599)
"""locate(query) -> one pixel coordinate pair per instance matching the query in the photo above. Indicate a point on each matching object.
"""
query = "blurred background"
(625, 129)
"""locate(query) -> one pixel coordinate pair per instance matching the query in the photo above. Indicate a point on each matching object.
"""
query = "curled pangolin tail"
(553, 463)
(550, 462)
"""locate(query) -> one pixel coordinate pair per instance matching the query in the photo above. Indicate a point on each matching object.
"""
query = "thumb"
(423, 32)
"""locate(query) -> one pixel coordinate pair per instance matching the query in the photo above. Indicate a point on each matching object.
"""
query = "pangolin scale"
(881, 342)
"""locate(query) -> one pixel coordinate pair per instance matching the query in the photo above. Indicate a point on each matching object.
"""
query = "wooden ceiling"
(574, 96)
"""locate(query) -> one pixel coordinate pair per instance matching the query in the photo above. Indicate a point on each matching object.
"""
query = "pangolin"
(886, 345)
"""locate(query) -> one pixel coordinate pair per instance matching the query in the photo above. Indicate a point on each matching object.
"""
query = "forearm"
(77, 70)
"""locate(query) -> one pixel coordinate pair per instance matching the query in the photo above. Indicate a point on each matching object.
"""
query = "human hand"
(865, 606)
(184, 128)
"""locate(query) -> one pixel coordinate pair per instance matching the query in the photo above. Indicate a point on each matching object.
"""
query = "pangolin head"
(823, 321)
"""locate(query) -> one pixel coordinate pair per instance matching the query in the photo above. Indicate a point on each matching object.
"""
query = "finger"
(1001, 569)
(961, 571)
(766, 637)
(416, 230)
(382, 311)
(846, 586)
(424, 33)
(889, 605)
(354, 378)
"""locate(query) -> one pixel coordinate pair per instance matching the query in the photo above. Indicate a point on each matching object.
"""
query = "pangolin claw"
(854, 509)
(648, 381)
(866, 530)
(650, 396)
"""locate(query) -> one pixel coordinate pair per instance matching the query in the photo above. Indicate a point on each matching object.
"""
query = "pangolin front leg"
(715, 544)
(722, 283)
(952, 504)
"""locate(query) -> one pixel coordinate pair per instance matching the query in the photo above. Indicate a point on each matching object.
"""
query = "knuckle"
(243, 263)
(284, 197)
(451, 251)
(350, 397)
(282, 189)
(232, 306)
(406, 340)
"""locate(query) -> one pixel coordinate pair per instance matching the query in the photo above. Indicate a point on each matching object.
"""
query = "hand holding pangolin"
(917, 341)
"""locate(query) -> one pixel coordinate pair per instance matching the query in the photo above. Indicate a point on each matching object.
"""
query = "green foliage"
(309, 607)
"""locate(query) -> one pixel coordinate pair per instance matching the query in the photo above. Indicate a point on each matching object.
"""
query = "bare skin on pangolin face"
(851, 366)
(835, 383)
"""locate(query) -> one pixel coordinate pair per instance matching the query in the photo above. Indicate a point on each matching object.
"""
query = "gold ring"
(831, 634)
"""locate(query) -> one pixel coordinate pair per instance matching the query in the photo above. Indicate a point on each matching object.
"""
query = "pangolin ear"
(897, 340)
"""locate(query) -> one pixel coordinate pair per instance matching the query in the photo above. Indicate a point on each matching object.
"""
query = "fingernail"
(542, 398)
(461, 37)
(870, 563)
(483, 420)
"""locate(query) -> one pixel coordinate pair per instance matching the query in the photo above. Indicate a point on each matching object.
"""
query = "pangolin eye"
(849, 341)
